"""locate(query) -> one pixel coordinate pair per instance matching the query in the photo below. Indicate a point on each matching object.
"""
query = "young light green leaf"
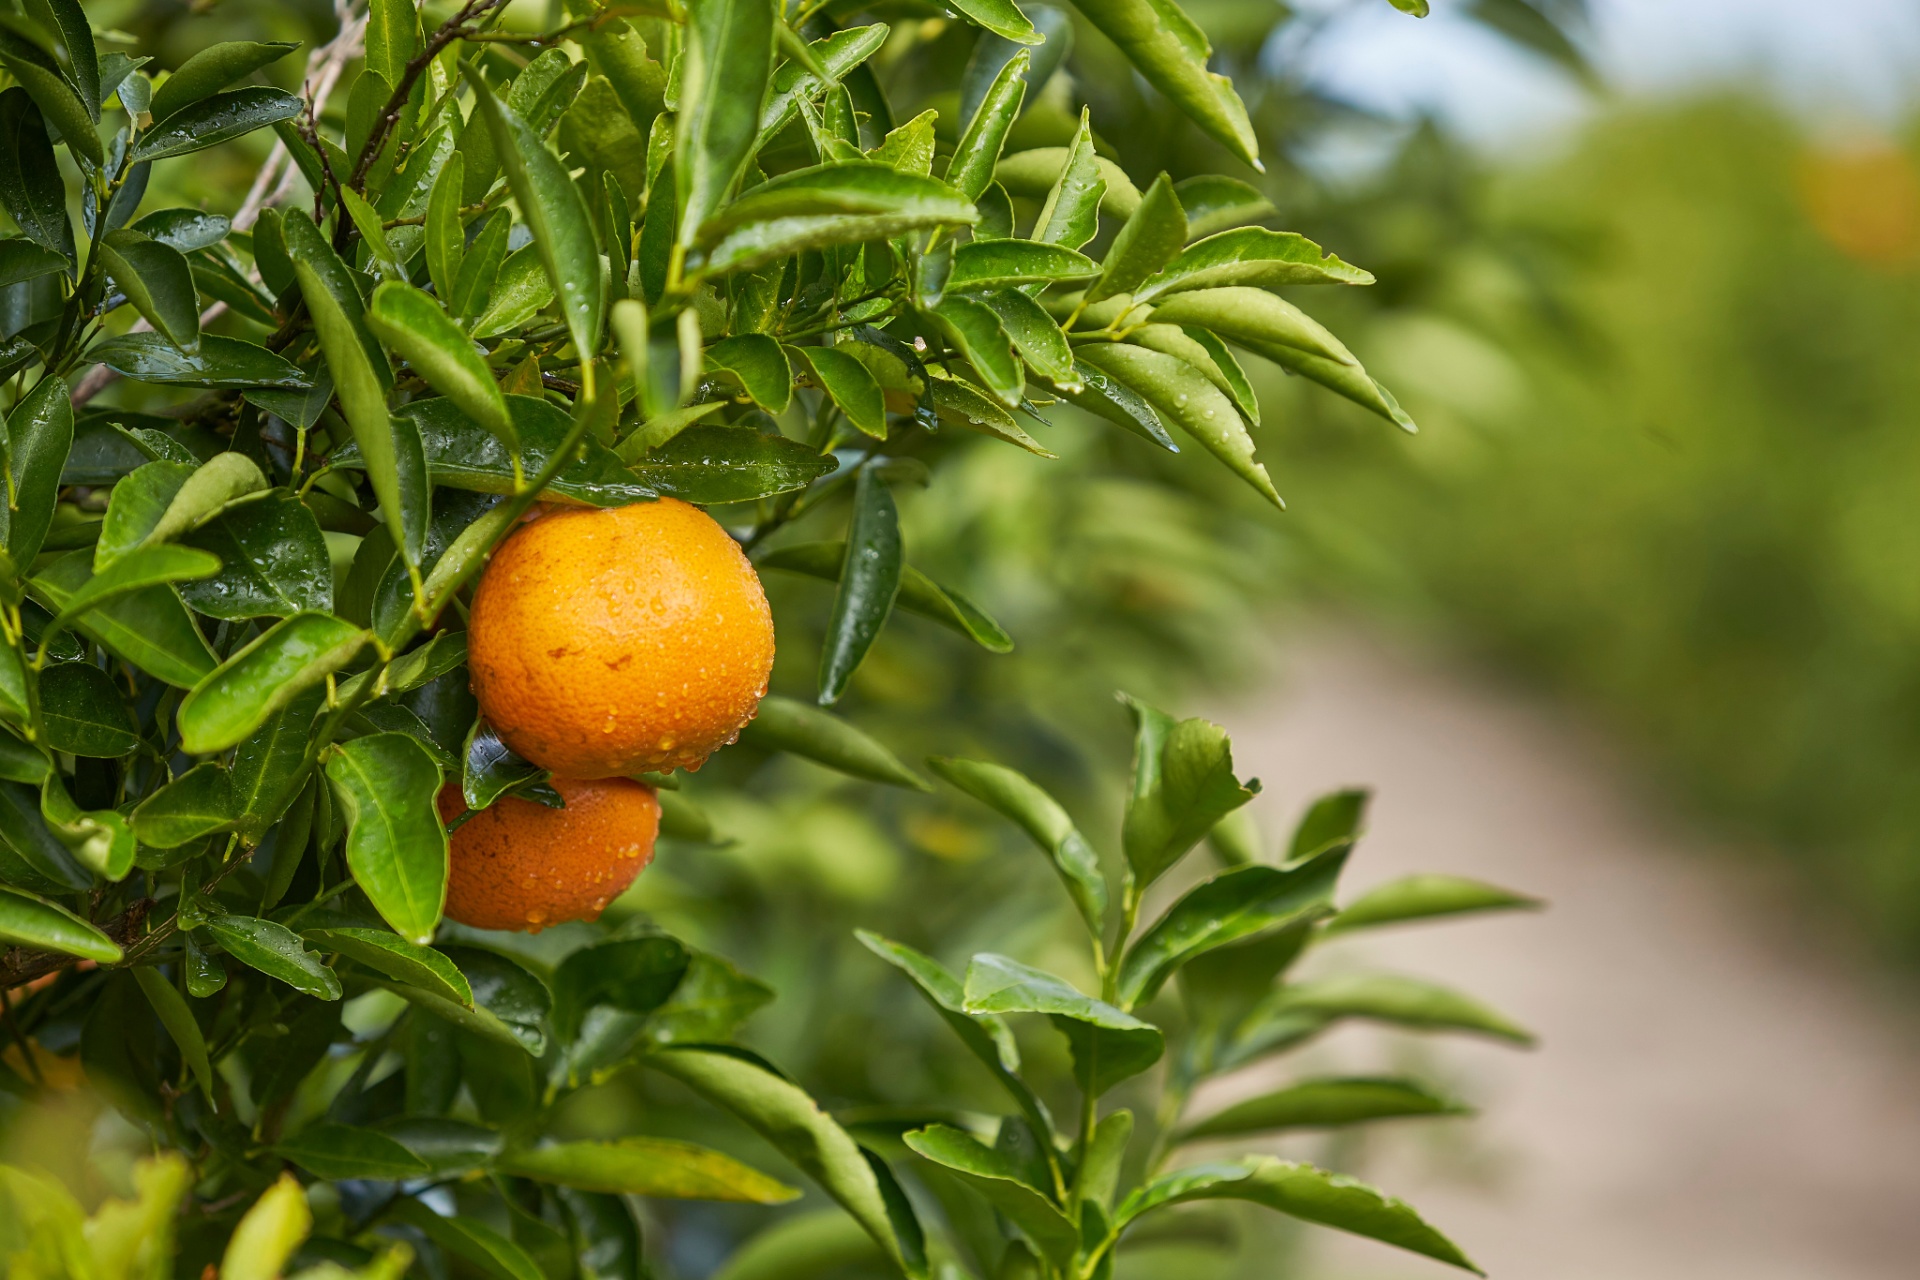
(1108, 1045)
(220, 364)
(1036, 336)
(838, 54)
(1233, 905)
(918, 593)
(1336, 819)
(269, 1233)
(39, 437)
(1324, 1104)
(658, 1167)
(1183, 784)
(1215, 202)
(849, 383)
(986, 264)
(149, 628)
(1060, 176)
(782, 1113)
(1151, 237)
(293, 655)
(1249, 256)
(399, 959)
(998, 1179)
(1425, 897)
(723, 89)
(396, 846)
(27, 921)
(1179, 392)
(1300, 1191)
(1254, 318)
(193, 806)
(158, 502)
(171, 1008)
(1109, 398)
(392, 35)
(973, 327)
(1398, 1001)
(978, 151)
(758, 363)
(411, 323)
(862, 187)
(158, 282)
(869, 581)
(785, 724)
(216, 119)
(101, 840)
(1002, 17)
(213, 69)
(1015, 796)
(1170, 50)
(274, 950)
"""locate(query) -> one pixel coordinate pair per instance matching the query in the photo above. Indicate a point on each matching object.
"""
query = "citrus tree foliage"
(655, 251)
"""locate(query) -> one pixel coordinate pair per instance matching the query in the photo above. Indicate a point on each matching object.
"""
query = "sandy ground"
(1715, 1095)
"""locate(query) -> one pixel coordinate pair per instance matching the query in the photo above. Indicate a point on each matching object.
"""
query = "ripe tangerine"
(521, 865)
(610, 642)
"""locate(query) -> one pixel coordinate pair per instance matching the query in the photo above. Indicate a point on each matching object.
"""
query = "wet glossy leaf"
(268, 766)
(1425, 897)
(1215, 202)
(41, 77)
(1108, 1045)
(85, 711)
(985, 264)
(918, 593)
(729, 464)
(729, 50)
(786, 724)
(294, 655)
(446, 239)
(1233, 905)
(473, 1242)
(392, 37)
(411, 323)
(171, 1008)
(1183, 784)
(1035, 335)
(39, 436)
(1169, 49)
(958, 404)
(490, 768)
(510, 1005)
(213, 69)
(273, 561)
(1114, 400)
(219, 364)
(838, 54)
(849, 383)
(397, 958)
(274, 950)
(36, 860)
(337, 1151)
(869, 581)
(1015, 796)
(396, 847)
(555, 213)
(448, 1146)
(22, 259)
(163, 500)
(194, 805)
(216, 119)
(633, 975)
(1250, 256)
(658, 1167)
(783, 1114)
(30, 185)
(978, 151)
(830, 204)
(998, 1178)
(975, 329)
(149, 628)
(757, 362)
(1300, 1191)
(159, 284)
(101, 840)
(185, 229)
(1182, 394)
(27, 921)
(1398, 1001)
(1151, 237)
(1324, 1104)
(515, 293)
(1041, 172)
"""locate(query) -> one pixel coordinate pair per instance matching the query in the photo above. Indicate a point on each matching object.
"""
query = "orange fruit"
(610, 642)
(520, 865)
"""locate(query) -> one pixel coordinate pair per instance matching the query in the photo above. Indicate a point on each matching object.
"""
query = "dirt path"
(1715, 1096)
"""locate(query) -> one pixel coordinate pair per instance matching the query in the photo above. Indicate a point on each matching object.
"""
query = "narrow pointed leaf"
(396, 846)
(918, 593)
(1324, 1104)
(1252, 256)
(220, 363)
(149, 628)
(193, 806)
(274, 950)
(394, 956)
(26, 921)
(216, 119)
(723, 90)
(1108, 1045)
(338, 1151)
(39, 437)
(1398, 1001)
(658, 1167)
(869, 581)
(786, 724)
(975, 329)
(263, 677)
(978, 151)
(411, 323)
(1015, 796)
(1182, 394)
(171, 1008)
(1151, 237)
(1170, 50)
(997, 1178)
(472, 1242)
(1426, 897)
(213, 69)
(848, 383)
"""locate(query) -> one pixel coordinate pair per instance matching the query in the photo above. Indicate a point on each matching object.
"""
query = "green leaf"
(1398, 1001)
(1183, 784)
(1061, 177)
(634, 975)
(30, 185)
(758, 363)
(193, 806)
(1179, 392)
(22, 260)
(213, 69)
(273, 561)
(20, 762)
(510, 1005)
(1424, 897)
(960, 405)
(392, 37)
(159, 284)
(1099, 1172)
(446, 239)
(414, 325)
(219, 364)
(786, 724)
(472, 1242)
(849, 383)
(783, 1114)
(985, 264)
(26, 921)
(66, 22)
(482, 267)
(162, 500)
(1250, 256)
(1151, 237)
(1015, 796)
(711, 1002)
(216, 119)
(1324, 1104)
(39, 437)
(294, 655)
(490, 769)
(269, 766)
(101, 840)
(724, 84)
(397, 958)
(149, 628)
(707, 465)
(39, 861)
(269, 1233)
(918, 593)
(1118, 403)
(975, 329)
(338, 1151)
(1215, 202)
(1233, 905)
(1108, 1045)
(85, 712)
(832, 204)
(1255, 319)
(1170, 50)
(274, 950)
(396, 846)
(658, 1167)
(838, 54)
(556, 215)
(869, 580)
(978, 151)
(38, 73)
(171, 1008)
(1334, 820)
(1035, 335)
(998, 1178)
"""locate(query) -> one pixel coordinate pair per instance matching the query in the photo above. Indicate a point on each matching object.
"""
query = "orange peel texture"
(610, 642)
(522, 866)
